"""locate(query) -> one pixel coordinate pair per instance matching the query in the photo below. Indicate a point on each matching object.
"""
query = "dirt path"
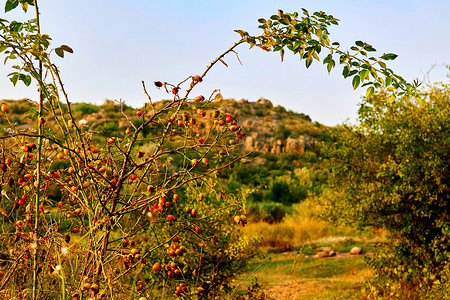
(293, 277)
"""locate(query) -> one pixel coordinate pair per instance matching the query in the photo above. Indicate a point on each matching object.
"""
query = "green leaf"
(382, 64)
(355, 82)
(15, 26)
(3, 47)
(59, 52)
(274, 17)
(359, 43)
(369, 92)
(316, 56)
(24, 6)
(389, 56)
(11, 4)
(346, 71)
(388, 81)
(14, 78)
(26, 79)
(352, 72)
(330, 65)
(363, 74)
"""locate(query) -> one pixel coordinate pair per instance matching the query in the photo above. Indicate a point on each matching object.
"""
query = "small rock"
(356, 251)
(323, 254)
(327, 249)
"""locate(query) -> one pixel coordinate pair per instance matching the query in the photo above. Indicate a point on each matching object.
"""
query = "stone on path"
(356, 251)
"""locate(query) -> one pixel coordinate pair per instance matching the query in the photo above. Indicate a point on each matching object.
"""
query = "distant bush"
(279, 192)
(270, 212)
(20, 107)
(259, 112)
(305, 117)
(110, 127)
(281, 132)
(279, 109)
(309, 156)
(86, 108)
(282, 192)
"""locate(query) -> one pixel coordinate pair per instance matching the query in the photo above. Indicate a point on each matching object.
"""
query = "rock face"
(277, 147)
(297, 145)
(265, 102)
(273, 129)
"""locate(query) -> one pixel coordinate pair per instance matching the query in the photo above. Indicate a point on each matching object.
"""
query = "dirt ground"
(299, 282)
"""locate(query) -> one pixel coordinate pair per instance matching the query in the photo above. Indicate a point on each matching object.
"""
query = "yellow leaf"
(391, 99)
(218, 97)
(316, 56)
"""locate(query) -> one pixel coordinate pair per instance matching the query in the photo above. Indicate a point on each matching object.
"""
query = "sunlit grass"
(297, 277)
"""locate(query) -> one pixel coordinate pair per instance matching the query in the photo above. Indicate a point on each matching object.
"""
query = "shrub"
(270, 212)
(84, 216)
(86, 108)
(393, 171)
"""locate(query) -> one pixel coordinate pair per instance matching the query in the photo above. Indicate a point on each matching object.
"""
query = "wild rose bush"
(130, 216)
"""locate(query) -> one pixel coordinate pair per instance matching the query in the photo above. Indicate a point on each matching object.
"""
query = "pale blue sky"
(117, 44)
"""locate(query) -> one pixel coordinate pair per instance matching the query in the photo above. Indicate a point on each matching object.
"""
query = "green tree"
(391, 171)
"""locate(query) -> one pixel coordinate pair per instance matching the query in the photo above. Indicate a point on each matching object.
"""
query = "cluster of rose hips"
(176, 249)
(241, 220)
(180, 289)
(93, 287)
(162, 205)
(193, 212)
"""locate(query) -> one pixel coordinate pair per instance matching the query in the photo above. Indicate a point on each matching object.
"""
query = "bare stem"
(39, 155)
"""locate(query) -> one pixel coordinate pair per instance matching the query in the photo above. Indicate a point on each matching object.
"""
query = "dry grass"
(300, 228)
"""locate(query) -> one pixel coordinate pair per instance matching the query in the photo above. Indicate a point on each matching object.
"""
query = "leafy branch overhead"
(308, 35)
(23, 42)
(11, 4)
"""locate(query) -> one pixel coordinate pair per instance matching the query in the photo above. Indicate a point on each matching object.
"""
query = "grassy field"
(293, 276)
(288, 268)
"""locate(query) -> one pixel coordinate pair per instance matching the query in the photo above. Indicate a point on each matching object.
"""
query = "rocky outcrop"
(277, 147)
(264, 102)
(295, 145)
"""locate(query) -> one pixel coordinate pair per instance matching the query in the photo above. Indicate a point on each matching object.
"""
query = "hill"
(286, 162)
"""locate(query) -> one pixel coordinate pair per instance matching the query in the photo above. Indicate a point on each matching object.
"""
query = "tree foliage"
(308, 34)
(392, 172)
